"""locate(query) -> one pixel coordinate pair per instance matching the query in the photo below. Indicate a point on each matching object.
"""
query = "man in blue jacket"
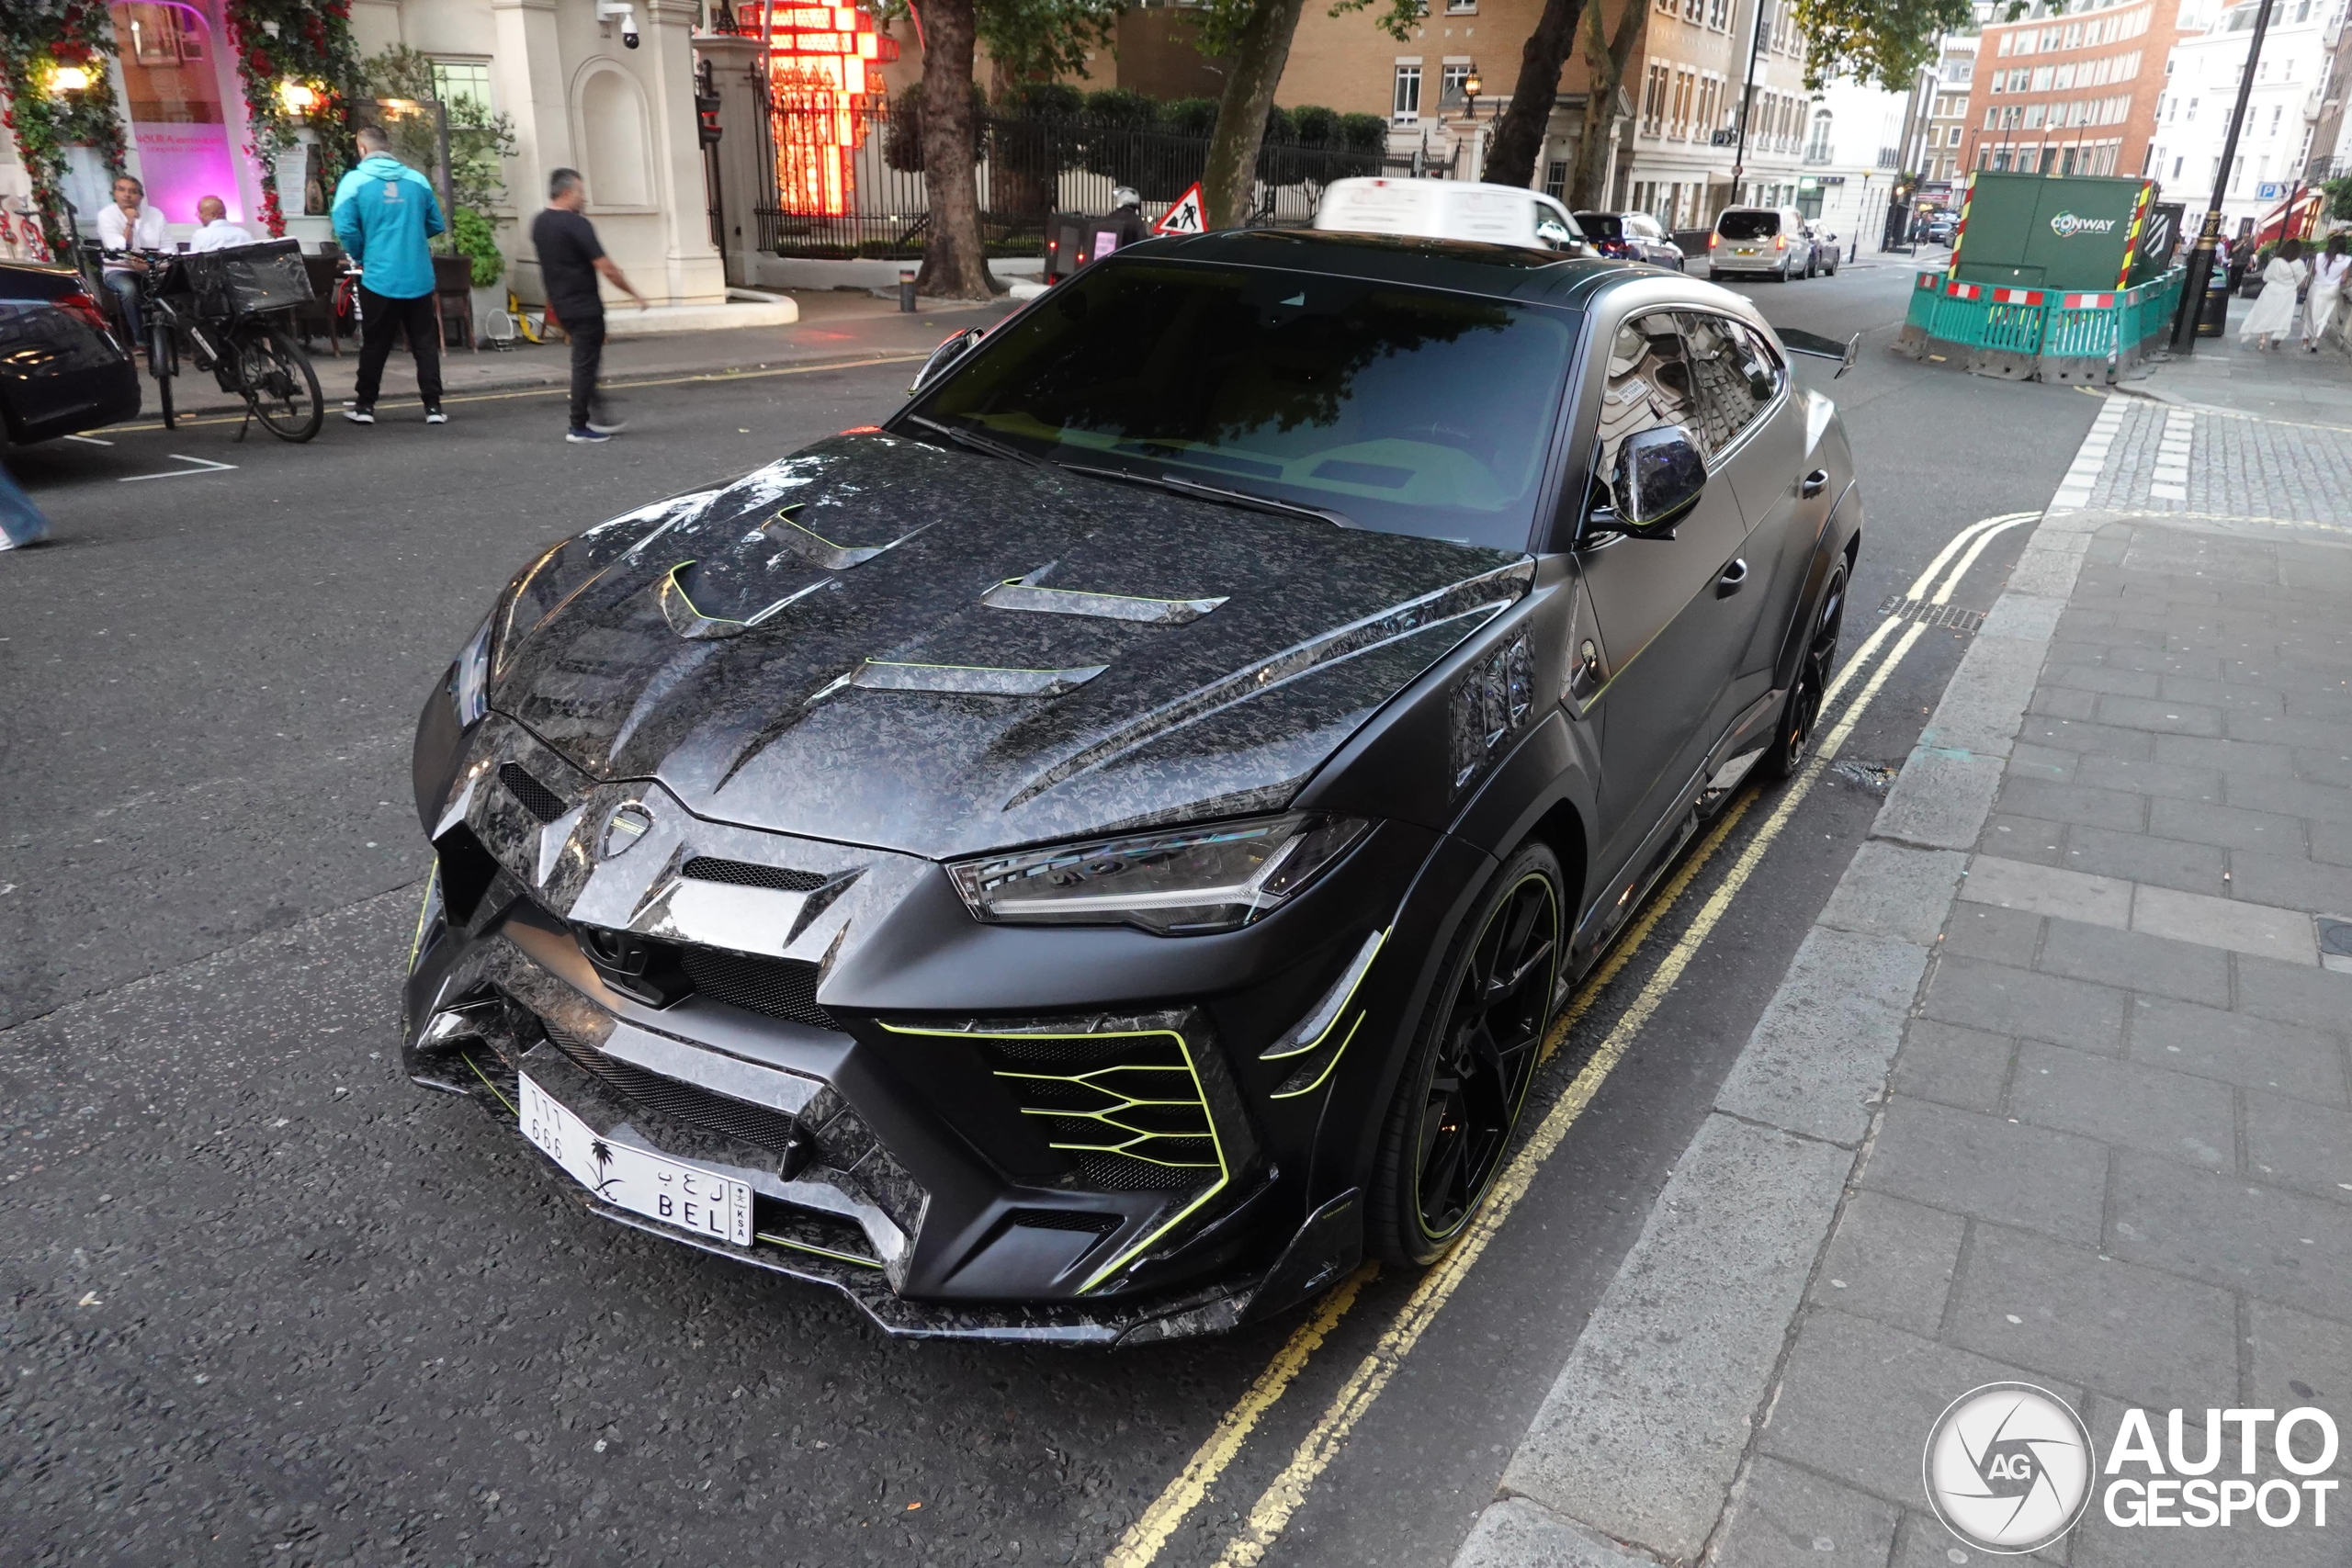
(384, 213)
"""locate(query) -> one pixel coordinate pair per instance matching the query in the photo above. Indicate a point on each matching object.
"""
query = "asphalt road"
(263, 1301)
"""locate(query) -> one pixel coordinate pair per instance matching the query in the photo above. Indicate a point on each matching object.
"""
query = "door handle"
(1815, 483)
(1733, 575)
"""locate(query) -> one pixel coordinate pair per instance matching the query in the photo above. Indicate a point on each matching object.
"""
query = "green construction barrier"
(2037, 334)
(2042, 232)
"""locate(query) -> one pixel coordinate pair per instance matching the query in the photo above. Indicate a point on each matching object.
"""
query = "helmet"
(1124, 196)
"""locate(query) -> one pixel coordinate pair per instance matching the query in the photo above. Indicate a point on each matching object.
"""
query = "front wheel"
(280, 386)
(163, 358)
(1450, 1126)
(1793, 740)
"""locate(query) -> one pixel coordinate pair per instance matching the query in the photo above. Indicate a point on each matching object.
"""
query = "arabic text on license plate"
(675, 1193)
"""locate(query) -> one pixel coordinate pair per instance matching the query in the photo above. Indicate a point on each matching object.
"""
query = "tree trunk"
(1250, 80)
(1519, 136)
(1605, 62)
(954, 261)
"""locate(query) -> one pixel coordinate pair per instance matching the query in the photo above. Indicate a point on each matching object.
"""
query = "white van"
(1451, 210)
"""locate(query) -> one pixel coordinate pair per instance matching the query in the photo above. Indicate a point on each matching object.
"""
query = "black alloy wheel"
(163, 361)
(1794, 742)
(279, 383)
(1450, 1126)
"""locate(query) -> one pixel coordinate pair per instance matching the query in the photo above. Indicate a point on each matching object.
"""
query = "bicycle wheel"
(280, 387)
(162, 356)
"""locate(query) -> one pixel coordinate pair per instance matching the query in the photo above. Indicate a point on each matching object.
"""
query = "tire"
(1449, 1129)
(1793, 742)
(279, 384)
(1715, 275)
(1812, 266)
(162, 360)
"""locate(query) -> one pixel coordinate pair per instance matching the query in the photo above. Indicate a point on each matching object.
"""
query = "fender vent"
(744, 874)
(538, 799)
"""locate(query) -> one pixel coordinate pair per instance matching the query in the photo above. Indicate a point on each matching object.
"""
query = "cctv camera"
(628, 33)
(625, 14)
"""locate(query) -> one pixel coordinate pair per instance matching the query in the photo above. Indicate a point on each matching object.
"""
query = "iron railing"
(850, 184)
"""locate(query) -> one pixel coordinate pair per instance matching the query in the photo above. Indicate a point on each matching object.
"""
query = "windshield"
(1748, 225)
(1601, 225)
(1404, 409)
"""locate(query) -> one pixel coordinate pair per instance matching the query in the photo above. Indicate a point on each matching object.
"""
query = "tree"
(954, 258)
(1519, 134)
(1254, 36)
(1885, 42)
(1605, 62)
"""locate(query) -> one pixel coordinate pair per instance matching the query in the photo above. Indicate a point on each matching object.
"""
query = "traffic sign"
(1187, 217)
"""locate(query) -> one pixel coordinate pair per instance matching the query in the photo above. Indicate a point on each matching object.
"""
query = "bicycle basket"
(244, 280)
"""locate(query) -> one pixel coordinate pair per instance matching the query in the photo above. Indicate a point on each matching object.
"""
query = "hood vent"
(745, 874)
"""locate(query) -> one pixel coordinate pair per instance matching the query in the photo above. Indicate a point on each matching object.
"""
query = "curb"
(1639, 1451)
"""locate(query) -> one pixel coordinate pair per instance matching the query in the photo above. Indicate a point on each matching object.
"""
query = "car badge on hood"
(627, 824)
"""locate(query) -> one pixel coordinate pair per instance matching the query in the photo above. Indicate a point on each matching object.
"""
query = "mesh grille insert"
(780, 987)
(1125, 1109)
(759, 1125)
(538, 799)
(744, 874)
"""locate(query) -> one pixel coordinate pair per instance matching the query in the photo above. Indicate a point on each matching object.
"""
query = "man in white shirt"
(128, 225)
(217, 233)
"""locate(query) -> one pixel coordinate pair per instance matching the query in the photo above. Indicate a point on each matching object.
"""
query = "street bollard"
(905, 289)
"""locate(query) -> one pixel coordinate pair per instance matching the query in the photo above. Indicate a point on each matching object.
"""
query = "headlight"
(1176, 883)
(470, 683)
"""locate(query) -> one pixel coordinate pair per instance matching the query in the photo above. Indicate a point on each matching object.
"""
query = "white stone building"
(2202, 72)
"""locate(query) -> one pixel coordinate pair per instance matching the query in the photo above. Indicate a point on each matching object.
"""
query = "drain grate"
(2334, 935)
(1955, 616)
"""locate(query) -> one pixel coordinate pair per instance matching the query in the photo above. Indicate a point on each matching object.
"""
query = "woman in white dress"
(2273, 315)
(2328, 272)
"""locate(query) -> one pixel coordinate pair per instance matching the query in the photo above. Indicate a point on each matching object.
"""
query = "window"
(1654, 93)
(1955, 136)
(1719, 16)
(2042, 75)
(1649, 387)
(1684, 81)
(1816, 149)
(2033, 114)
(1408, 94)
(2276, 110)
(1989, 116)
(1693, 10)
(2176, 163)
(1734, 378)
(1450, 92)
(2061, 78)
(1555, 179)
(464, 86)
(1461, 7)
(2191, 115)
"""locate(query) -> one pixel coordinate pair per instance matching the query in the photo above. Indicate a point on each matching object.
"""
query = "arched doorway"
(175, 74)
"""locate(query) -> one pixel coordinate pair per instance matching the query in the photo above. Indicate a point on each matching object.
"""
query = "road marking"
(203, 465)
(89, 441)
(1943, 595)
(562, 391)
(1272, 1511)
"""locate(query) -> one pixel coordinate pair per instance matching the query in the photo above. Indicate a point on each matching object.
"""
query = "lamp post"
(1747, 100)
(2201, 260)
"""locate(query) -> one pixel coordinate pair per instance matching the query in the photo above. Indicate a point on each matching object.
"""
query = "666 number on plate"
(669, 1190)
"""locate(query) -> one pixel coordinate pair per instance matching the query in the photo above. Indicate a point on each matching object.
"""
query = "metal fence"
(850, 184)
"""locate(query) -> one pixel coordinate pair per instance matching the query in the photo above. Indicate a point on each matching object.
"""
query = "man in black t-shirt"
(571, 260)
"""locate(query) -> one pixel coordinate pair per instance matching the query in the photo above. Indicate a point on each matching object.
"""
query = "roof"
(1504, 272)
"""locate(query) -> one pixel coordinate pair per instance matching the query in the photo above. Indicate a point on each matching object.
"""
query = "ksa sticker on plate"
(659, 1188)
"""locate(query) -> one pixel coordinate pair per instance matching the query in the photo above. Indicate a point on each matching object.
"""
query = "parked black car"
(1630, 236)
(1097, 854)
(62, 369)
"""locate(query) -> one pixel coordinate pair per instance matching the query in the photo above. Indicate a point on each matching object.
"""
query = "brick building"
(2071, 93)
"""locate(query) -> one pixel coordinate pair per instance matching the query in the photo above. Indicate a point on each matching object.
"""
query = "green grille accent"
(1126, 1104)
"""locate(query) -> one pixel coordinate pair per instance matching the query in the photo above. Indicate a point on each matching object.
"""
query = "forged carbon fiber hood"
(879, 642)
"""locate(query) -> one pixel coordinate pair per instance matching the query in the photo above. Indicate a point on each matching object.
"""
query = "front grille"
(538, 799)
(1127, 1109)
(1064, 1220)
(780, 987)
(744, 874)
(759, 1125)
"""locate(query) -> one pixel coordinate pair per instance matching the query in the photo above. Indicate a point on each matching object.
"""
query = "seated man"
(126, 226)
(214, 232)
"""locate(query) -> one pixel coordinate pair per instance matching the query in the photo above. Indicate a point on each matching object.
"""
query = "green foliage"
(309, 41)
(1281, 130)
(1363, 132)
(1882, 41)
(1397, 18)
(480, 143)
(1315, 126)
(2339, 198)
(470, 236)
(1032, 39)
(35, 37)
(1043, 100)
(1123, 107)
(1189, 117)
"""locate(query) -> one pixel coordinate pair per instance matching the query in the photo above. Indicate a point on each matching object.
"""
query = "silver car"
(1766, 241)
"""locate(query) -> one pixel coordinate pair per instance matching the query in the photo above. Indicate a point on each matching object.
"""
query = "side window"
(1737, 378)
(1648, 386)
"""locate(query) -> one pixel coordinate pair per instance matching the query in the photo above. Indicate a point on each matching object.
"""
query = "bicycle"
(220, 303)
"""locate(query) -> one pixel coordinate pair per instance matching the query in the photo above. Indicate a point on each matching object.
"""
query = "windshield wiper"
(1214, 493)
(978, 443)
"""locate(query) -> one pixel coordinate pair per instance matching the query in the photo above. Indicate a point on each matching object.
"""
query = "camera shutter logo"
(2008, 1468)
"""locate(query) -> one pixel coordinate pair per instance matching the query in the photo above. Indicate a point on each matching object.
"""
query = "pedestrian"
(2273, 315)
(127, 226)
(384, 214)
(20, 521)
(214, 232)
(2327, 288)
(571, 259)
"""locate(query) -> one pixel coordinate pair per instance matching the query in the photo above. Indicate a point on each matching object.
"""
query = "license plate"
(1744, 251)
(659, 1189)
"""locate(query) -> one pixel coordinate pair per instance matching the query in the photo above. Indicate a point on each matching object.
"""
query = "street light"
(298, 97)
(2201, 260)
(65, 79)
(1471, 88)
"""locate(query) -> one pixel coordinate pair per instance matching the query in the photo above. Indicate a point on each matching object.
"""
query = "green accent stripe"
(812, 1247)
(467, 1057)
(1328, 1067)
(1339, 1013)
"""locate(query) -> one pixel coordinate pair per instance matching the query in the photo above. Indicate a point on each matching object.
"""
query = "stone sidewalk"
(2055, 1091)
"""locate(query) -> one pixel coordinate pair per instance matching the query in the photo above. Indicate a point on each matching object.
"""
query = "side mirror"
(1657, 478)
(945, 355)
(1552, 234)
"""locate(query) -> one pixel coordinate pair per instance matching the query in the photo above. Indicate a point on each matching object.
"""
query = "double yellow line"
(1271, 1515)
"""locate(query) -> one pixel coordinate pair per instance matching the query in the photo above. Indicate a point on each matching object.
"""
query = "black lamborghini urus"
(1095, 856)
